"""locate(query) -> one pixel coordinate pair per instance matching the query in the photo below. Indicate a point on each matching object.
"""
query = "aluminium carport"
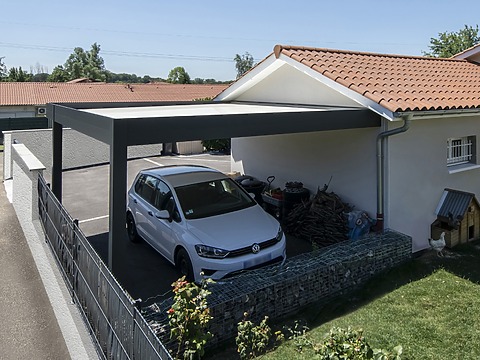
(124, 124)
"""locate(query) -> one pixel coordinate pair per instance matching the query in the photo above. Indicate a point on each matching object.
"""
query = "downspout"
(381, 169)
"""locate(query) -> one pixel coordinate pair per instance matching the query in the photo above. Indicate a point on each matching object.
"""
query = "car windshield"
(212, 198)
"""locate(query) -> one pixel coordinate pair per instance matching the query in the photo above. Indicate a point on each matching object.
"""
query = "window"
(162, 196)
(201, 200)
(461, 150)
(145, 187)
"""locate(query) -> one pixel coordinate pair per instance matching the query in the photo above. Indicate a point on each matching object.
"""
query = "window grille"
(459, 150)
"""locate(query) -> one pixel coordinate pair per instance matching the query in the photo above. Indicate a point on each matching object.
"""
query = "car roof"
(179, 175)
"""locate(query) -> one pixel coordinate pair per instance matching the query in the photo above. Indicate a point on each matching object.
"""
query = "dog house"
(458, 215)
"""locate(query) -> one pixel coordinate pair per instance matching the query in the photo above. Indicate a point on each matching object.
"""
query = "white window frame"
(460, 150)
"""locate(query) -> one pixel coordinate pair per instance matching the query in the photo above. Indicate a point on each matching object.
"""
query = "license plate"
(257, 261)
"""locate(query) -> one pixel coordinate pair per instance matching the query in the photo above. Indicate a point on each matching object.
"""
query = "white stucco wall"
(289, 85)
(418, 174)
(346, 155)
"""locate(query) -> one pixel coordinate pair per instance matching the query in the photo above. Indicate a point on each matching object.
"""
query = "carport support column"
(118, 185)
(57, 135)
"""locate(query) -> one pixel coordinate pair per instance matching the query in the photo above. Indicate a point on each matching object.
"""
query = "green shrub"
(222, 145)
(252, 340)
(351, 344)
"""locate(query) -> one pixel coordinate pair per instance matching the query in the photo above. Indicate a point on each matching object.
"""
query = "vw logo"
(255, 248)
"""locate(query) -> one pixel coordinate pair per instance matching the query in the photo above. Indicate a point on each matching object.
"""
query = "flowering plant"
(189, 316)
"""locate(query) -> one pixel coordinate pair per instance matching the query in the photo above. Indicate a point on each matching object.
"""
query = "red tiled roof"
(30, 93)
(398, 83)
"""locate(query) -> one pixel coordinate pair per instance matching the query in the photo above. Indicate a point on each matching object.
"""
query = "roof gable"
(398, 83)
(471, 54)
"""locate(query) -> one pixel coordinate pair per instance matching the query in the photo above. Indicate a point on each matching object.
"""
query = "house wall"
(17, 111)
(348, 156)
(417, 174)
(288, 85)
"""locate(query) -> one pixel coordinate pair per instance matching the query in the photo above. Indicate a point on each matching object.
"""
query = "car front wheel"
(132, 229)
(184, 265)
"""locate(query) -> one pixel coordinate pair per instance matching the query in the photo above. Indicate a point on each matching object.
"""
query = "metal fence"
(118, 328)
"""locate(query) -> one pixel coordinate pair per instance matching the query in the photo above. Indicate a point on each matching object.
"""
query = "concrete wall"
(26, 168)
(78, 149)
(17, 111)
(348, 156)
(418, 174)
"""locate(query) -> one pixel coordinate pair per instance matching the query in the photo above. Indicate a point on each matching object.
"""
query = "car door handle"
(150, 213)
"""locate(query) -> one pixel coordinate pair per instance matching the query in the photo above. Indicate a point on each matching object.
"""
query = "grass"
(430, 306)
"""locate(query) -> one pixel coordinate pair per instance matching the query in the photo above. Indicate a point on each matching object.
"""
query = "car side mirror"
(163, 215)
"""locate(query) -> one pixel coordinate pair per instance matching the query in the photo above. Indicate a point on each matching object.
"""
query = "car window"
(212, 198)
(146, 188)
(162, 196)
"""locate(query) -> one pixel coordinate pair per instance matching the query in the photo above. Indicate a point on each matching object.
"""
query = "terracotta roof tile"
(399, 83)
(30, 93)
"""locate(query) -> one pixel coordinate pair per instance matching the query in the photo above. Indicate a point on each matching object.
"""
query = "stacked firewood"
(321, 220)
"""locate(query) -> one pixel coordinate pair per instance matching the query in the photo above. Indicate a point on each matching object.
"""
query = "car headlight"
(210, 252)
(279, 234)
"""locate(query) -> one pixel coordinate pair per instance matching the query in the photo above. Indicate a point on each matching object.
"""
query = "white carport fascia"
(358, 98)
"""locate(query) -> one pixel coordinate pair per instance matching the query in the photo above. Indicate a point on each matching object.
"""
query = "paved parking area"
(142, 272)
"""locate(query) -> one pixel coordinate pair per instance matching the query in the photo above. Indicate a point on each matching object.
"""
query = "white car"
(202, 221)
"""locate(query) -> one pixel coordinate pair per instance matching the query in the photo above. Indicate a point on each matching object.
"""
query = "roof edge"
(278, 49)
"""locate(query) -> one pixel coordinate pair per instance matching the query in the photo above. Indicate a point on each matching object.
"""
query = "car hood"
(236, 229)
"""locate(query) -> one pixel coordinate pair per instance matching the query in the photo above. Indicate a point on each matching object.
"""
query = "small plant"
(298, 334)
(253, 340)
(188, 318)
(351, 344)
(395, 354)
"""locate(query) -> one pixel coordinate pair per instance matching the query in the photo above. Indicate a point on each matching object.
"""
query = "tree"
(3, 69)
(178, 75)
(243, 63)
(18, 75)
(81, 64)
(450, 43)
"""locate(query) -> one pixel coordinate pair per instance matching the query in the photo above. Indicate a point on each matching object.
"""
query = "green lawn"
(430, 306)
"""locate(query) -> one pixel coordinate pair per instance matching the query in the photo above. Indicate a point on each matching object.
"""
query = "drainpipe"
(380, 168)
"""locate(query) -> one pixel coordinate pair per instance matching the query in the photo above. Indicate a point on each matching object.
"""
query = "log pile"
(320, 220)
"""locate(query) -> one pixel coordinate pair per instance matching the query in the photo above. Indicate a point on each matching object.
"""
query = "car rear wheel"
(132, 229)
(184, 265)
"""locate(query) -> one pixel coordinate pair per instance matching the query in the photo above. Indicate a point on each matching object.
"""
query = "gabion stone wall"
(281, 290)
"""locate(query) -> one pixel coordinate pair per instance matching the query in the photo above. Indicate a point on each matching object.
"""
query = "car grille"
(248, 249)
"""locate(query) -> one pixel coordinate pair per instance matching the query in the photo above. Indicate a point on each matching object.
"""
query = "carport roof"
(153, 123)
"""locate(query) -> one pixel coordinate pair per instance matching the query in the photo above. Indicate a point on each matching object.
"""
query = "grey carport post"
(172, 124)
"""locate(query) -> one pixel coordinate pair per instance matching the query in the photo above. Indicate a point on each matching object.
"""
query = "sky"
(148, 37)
